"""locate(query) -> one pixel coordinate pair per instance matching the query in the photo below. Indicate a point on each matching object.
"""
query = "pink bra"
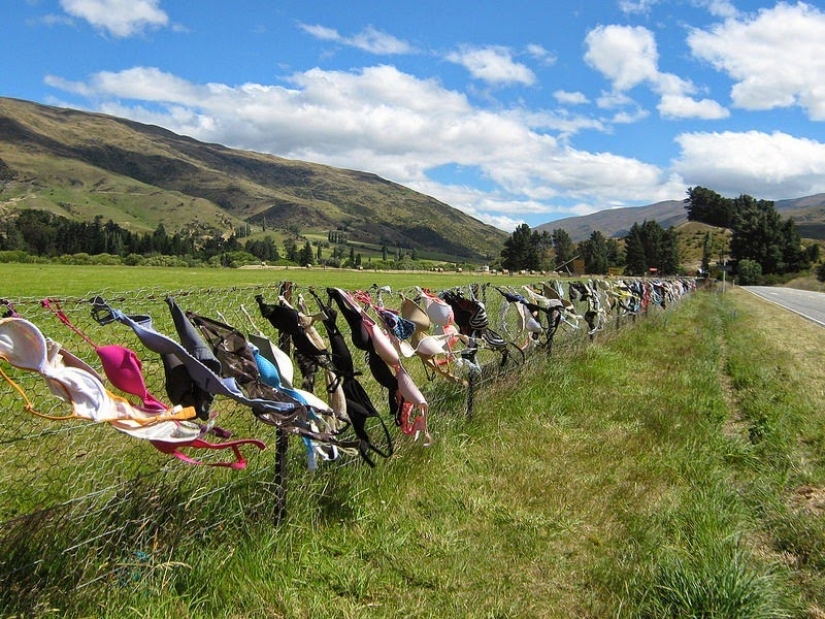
(120, 364)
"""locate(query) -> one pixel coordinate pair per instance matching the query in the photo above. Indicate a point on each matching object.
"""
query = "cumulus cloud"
(120, 18)
(389, 122)
(776, 58)
(493, 64)
(677, 106)
(628, 57)
(369, 40)
(766, 165)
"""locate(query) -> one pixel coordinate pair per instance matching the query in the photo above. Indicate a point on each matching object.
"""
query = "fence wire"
(82, 503)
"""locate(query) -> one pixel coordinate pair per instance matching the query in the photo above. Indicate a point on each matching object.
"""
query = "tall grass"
(669, 470)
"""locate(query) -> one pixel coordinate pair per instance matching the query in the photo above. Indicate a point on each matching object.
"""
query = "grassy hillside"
(80, 165)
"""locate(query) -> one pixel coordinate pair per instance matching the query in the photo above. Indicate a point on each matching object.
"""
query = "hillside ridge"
(81, 165)
(808, 213)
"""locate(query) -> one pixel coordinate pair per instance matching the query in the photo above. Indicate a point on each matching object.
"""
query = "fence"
(80, 502)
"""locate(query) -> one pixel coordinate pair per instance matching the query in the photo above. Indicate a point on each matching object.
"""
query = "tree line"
(37, 233)
(45, 234)
(762, 243)
(647, 246)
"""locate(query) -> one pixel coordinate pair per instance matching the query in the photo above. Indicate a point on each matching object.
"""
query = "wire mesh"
(81, 502)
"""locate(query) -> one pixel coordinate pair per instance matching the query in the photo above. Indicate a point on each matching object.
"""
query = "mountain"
(82, 165)
(808, 214)
(617, 222)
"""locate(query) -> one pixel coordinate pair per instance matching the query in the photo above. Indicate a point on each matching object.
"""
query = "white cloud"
(765, 165)
(719, 8)
(492, 64)
(636, 6)
(120, 18)
(369, 40)
(570, 98)
(613, 100)
(626, 55)
(676, 106)
(388, 122)
(542, 55)
(777, 58)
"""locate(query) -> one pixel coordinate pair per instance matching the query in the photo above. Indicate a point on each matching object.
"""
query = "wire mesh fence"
(81, 503)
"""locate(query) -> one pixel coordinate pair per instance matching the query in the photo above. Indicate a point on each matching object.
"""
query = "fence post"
(281, 437)
(471, 388)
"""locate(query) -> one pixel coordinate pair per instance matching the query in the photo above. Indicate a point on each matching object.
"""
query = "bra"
(24, 346)
(121, 365)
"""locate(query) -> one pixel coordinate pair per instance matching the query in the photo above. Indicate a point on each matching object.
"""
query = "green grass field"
(673, 469)
(38, 280)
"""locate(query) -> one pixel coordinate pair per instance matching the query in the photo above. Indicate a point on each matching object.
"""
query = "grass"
(673, 469)
(39, 280)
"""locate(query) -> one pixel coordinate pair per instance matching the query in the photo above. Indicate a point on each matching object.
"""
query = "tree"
(709, 207)
(668, 263)
(563, 247)
(614, 253)
(795, 257)
(649, 245)
(305, 257)
(756, 234)
(594, 252)
(291, 249)
(635, 258)
(519, 252)
(820, 272)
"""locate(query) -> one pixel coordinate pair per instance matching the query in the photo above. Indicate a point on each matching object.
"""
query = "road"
(806, 303)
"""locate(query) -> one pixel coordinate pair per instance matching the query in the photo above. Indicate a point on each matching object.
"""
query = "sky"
(525, 111)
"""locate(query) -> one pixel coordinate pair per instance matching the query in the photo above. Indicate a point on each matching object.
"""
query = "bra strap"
(54, 306)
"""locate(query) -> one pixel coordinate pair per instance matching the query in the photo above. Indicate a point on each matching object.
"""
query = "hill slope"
(808, 213)
(80, 165)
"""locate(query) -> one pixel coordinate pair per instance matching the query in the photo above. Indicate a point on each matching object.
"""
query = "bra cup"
(433, 345)
(533, 325)
(87, 394)
(22, 344)
(438, 311)
(276, 356)
(70, 360)
(269, 372)
(383, 345)
(124, 370)
(452, 331)
(410, 390)
(415, 314)
(270, 376)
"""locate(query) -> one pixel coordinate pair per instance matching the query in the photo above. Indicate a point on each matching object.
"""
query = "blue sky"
(520, 112)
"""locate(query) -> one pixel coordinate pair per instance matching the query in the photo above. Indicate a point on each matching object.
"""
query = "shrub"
(749, 271)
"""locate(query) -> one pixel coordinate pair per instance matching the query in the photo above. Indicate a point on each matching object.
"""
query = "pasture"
(38, 280)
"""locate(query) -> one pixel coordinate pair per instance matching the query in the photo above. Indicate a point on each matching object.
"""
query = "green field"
(38, 280)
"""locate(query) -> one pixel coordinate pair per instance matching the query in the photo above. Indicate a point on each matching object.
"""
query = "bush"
(749, 271)
(16, 255)
(820, 272)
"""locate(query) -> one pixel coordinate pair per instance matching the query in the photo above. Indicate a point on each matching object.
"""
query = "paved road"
(808, 304)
